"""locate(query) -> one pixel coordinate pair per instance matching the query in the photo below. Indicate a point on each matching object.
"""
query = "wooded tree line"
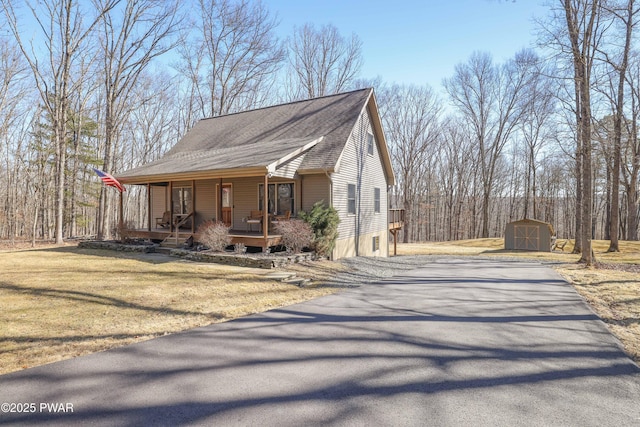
(550, 134)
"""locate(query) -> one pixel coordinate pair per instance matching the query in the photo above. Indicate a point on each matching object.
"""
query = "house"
(329, 149)
(529, 235)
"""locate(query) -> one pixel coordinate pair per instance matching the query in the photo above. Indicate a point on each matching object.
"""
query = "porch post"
(219, 202)
(193, 206)
(265, 209)
(149, 206)
(121, 214)
(171, 206)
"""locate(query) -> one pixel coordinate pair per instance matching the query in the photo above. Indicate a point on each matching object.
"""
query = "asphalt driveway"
(455, 342)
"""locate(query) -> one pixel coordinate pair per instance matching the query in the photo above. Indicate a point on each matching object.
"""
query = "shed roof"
(533, 222)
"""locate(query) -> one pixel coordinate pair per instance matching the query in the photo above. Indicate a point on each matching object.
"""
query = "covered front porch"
(250, 206)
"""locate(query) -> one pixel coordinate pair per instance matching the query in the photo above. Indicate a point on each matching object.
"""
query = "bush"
(296, 234)
(215, 235)
(324, 221)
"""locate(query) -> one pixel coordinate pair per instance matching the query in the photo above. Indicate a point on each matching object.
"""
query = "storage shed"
(529, 235)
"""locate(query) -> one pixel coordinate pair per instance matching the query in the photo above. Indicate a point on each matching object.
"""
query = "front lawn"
(64, 302)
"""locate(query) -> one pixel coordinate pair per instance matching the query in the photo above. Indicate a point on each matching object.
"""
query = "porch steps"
(163, 250)
(171, 244)
(289, 278)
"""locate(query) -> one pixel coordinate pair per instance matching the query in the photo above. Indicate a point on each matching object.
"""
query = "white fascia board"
(271, 168)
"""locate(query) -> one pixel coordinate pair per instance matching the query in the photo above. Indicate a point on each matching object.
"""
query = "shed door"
(526, 237)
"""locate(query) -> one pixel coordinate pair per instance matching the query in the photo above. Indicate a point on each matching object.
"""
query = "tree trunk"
(617, 129)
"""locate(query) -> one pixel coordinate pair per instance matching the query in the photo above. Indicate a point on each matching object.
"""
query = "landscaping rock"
(266, 261)
(116, 246)
(242, 260)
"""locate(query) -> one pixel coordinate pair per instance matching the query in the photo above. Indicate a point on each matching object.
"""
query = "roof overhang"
(272, 167)
(376, 124)
(250, 160)
(196, 175)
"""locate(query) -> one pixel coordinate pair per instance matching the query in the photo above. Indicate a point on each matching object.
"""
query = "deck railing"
(396, 222)
(396, 218)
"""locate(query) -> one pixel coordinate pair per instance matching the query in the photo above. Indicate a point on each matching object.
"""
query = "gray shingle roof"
(258, 137)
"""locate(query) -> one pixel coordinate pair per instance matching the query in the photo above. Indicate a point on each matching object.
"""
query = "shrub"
(296, 234)
(214, 235)
(324, 221)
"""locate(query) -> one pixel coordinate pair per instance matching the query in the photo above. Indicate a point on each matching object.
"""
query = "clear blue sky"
(419, 41)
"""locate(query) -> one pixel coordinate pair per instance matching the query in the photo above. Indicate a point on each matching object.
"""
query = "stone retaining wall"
(264, 261)
(258, 261)
(115, 246)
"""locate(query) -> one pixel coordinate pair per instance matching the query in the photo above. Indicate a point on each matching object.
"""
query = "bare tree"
(631, 153)
(411, 118)
(456, 164)
(231, 62)
(488, 96)
(131, 37)
(64, 32)
(322, 61)
(627, 15)
(539, 108)
(12, 93)
(582, 18)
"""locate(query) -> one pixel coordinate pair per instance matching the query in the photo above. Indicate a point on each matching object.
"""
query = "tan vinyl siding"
(159, 203)
(182, 184)
(366, 171)
(347, 247)
(314, 188)
(289, 169)
(308, 190)
(245, 199)
(205, 201)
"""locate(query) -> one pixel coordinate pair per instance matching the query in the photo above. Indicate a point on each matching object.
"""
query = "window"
(376, 200)
(181, 200)
(351, 199)
(370, 144)
(281, 198)
(375, 243)
(226, 196)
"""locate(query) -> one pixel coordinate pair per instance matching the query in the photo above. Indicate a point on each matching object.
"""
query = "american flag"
(109, 180)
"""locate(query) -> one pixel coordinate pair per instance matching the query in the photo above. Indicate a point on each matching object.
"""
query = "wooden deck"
(248, 238)
(396, 222)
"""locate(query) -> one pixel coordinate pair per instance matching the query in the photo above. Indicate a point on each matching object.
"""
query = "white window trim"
(355, 200)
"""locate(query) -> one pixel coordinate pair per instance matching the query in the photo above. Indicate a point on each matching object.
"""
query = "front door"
(227, 205)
